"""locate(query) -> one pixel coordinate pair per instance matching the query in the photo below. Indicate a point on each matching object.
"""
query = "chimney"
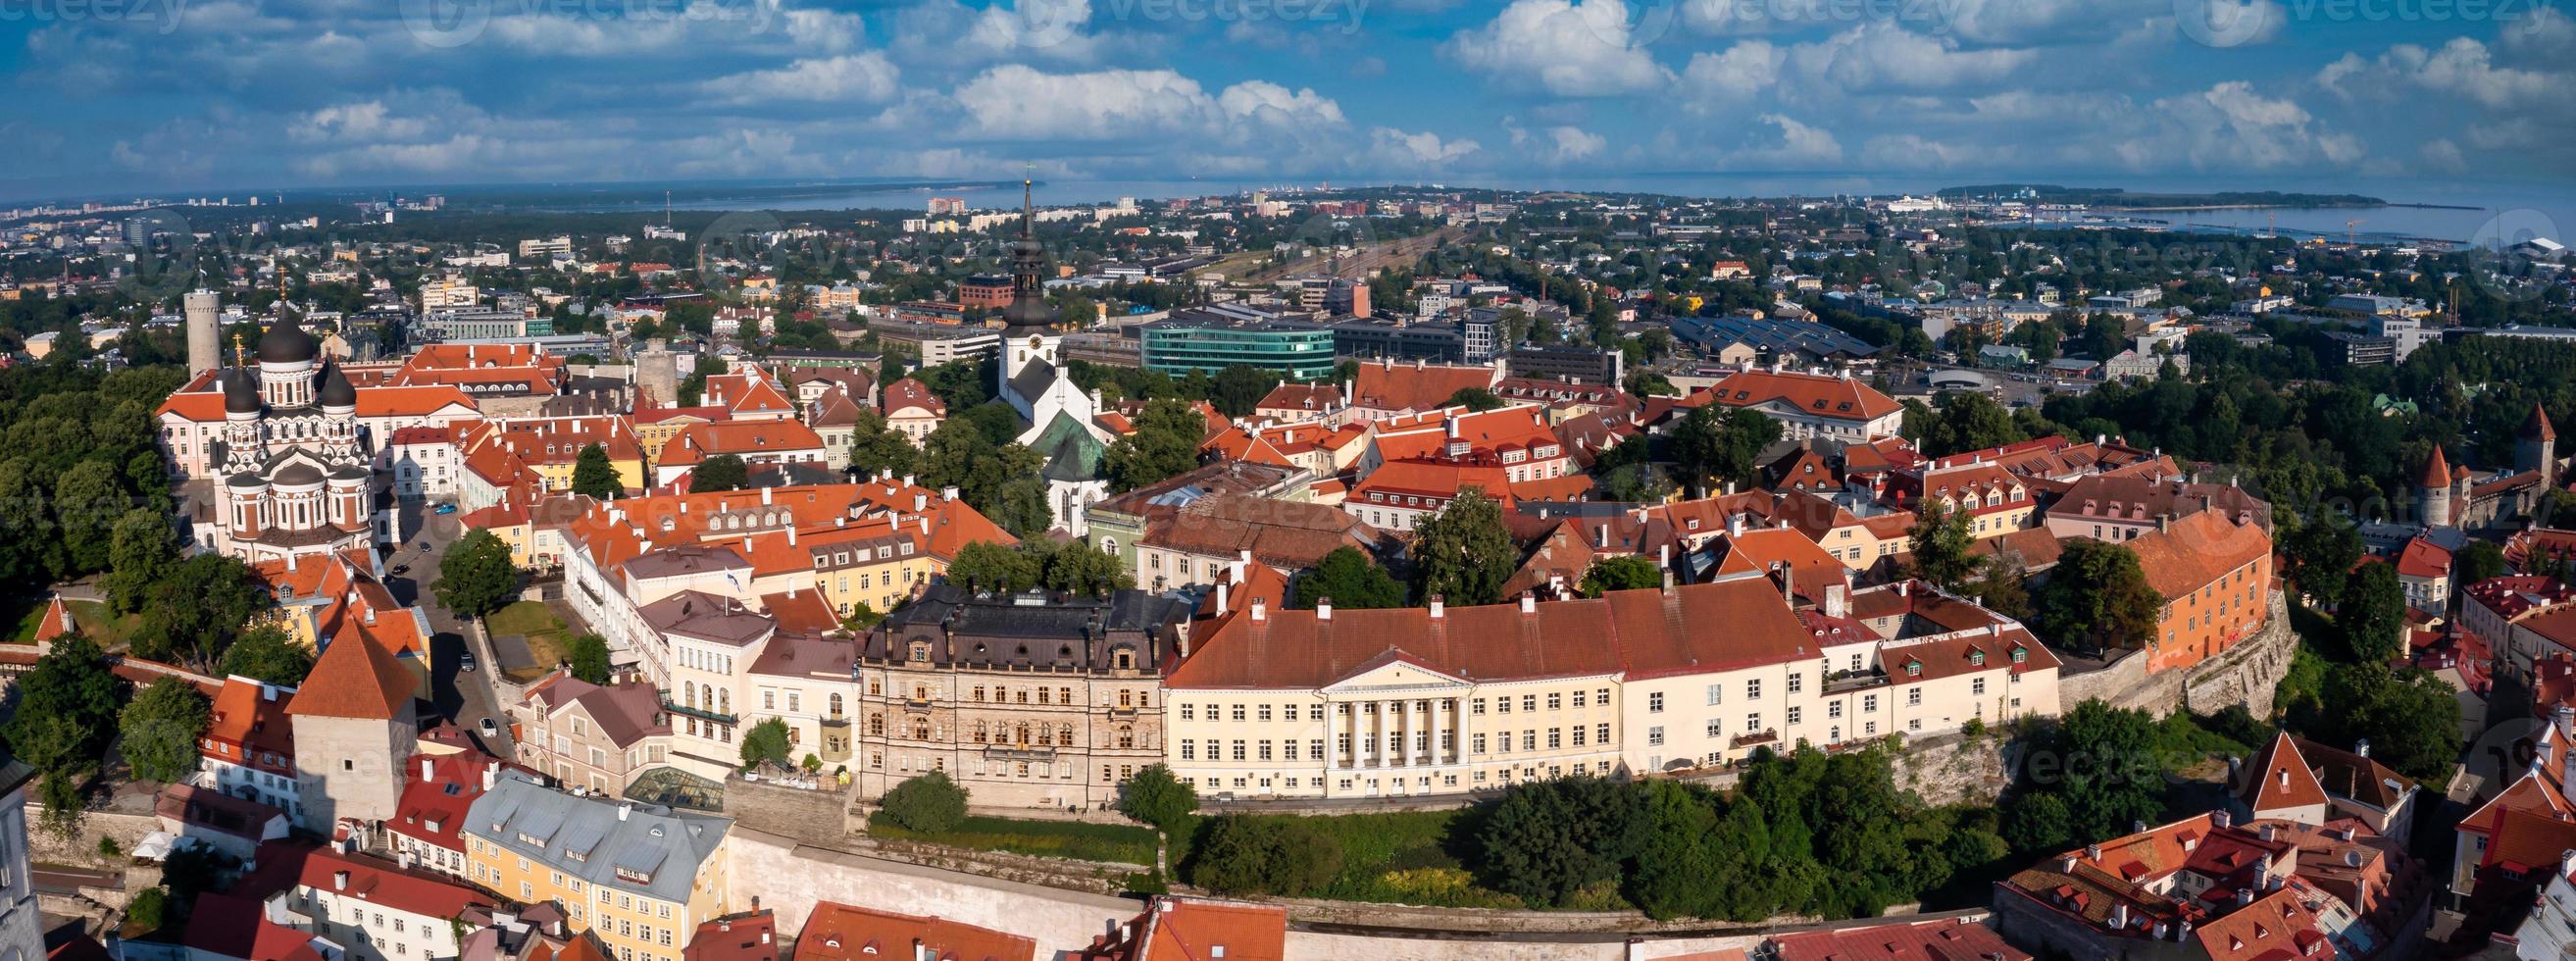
(2220, 818)
(1323, 608)
(1260, 610)
(339, 880)
(623, 810)
(1222, 588)
(1529, 602)
(919, 953)
(2361, 748)
(920, 502)
(1439, 606)
(427, 769)
(490, 772)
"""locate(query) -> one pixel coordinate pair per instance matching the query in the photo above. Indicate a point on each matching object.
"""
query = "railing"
(1757, 737)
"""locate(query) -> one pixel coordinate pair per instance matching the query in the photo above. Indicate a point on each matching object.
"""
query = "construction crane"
(2351, 233)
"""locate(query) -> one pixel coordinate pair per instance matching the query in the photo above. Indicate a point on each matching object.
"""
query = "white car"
(490, 729)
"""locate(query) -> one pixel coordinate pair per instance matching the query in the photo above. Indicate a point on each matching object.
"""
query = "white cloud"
(862, 78)
(2463, 68)
(1913, 152)
(1884, 57)
(2444, 156)
(1398, 150)
(1797, 145)
(1017, 102)
(1268, 103)
(1555, 145)
(2230, 127)
(1570, 48)
(1729, 77)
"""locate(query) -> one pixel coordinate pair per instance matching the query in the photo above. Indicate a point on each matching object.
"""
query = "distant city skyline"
(178, 95)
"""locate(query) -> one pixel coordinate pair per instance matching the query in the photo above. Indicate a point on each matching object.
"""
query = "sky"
(134, 96)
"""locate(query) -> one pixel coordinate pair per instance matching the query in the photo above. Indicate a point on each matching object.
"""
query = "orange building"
(2215, 574)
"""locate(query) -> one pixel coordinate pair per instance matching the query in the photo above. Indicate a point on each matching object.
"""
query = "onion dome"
(336, 389)
(240, 395)
(287, 343)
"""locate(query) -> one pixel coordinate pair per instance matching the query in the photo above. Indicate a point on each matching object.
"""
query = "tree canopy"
(2097, 596)
(1351, 579)
(477, 577)
(1463, 553)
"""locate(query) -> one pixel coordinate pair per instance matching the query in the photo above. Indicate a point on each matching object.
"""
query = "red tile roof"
(1641, 632)
(250, 718)
(383, 883)
(1818, 395)
(354, 678)
(2190, 553)
(841, 932)
(745, 937)
(1395, 387)
(2279, 780)
(1196, 929)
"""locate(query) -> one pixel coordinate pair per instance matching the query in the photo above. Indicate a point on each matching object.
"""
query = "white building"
(22, 931)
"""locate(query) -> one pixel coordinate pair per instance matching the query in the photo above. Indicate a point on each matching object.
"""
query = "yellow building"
(640, 877)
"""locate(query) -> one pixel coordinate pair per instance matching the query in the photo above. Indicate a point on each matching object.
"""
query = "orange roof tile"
(354, 678)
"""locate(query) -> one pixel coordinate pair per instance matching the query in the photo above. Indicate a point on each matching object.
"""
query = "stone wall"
(1954, 768)
(788, 879)
(2245, 674)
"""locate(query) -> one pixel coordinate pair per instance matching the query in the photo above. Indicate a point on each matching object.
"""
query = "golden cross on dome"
(237, 349)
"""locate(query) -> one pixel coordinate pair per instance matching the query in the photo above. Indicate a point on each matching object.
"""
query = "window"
(1796, 683)
(1655, 702)
(1753, 722)
(1977, 686)
(1797, 714)
(1753, 689)
(1654, 736)
(1913, 697)
(1716, 694)
(1556, 702)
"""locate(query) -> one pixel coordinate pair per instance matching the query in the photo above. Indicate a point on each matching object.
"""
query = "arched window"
(1064, 734)
(1126, 735)
(836, 705)
(876, 725)
(1021, 735)
(982, 735)
(724, 701)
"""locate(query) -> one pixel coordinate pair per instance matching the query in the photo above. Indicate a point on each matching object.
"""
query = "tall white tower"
(203, 309)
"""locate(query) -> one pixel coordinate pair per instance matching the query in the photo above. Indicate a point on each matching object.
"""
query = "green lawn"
(1055, 839)
(546, 634)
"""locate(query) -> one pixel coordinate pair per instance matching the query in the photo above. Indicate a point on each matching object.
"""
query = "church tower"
(1030, 339)
(2536, 447)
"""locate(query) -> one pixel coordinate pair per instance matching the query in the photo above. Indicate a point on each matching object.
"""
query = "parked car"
(443, 509)
(490, 729)
(467, 662)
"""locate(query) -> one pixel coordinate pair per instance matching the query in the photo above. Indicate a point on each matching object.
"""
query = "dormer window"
(921, 652)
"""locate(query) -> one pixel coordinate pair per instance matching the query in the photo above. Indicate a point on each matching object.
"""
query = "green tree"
(1463, 553)
(1262, 854)
(1721, 444)
(1474, 399)
(995, 567)
(1943, 548)
(593, 474)
(1077, 568)
(2321, 553)
(1165, 443)
(2097, 596)
(765, 741)
(195, 613)
(2373, 614)
(1238, 390)
(87, 501)
(1680, 870)
(1155, 797)
(67, 708)
(1546, 840)
(476, 577)
(1966, 421)
(2411, 718)
(929, 803)
(1351, 579)
(267, 654)
(876, 449)
(589, 657)
(723, 472)
(2477, 561)
(2112, 774)
(149, 909)
(1622, 573)
(141, 553)
(160, 727)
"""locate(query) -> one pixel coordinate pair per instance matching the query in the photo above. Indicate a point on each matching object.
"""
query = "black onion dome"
(336, 389)
(287, 343)
(240, 395)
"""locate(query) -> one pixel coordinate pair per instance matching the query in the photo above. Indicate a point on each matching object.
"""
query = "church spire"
(1028, 202)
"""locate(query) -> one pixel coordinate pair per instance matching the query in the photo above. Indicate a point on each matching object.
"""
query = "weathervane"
(238, 360)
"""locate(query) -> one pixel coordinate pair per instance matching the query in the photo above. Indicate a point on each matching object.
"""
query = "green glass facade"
(1294, 351)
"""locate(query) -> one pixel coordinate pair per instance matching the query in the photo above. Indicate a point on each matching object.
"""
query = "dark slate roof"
(1036, 630)
(1033, 379)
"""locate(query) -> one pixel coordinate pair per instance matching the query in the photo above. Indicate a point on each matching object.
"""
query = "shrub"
(1251, 854)
(929, 804)
(147, 909)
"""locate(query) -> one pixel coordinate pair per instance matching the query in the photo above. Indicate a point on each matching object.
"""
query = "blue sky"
(153, 95)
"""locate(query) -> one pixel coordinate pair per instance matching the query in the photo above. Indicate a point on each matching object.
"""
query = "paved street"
(466, 698)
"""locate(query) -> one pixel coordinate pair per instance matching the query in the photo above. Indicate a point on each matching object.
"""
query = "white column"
(1439, 728)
